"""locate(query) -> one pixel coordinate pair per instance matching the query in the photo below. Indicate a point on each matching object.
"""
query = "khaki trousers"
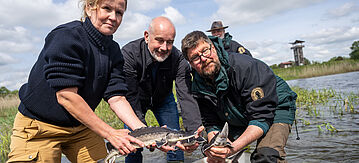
(276, 138)
(36, 141)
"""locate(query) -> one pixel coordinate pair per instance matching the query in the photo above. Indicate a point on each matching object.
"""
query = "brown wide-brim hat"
(216, 25)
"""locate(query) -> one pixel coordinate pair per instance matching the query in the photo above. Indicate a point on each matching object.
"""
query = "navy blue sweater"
(75, 54)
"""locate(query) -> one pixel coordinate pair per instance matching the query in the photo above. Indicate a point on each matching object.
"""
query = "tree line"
(6, 92)
(354, 54)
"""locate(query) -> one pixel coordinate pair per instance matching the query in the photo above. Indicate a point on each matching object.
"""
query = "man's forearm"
(251, 134)
(124, 111)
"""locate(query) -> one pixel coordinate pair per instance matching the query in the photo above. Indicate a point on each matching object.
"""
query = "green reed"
(327, 126)
(312, 103)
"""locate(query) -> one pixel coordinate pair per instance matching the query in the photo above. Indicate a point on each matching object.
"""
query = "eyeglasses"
(205, 53)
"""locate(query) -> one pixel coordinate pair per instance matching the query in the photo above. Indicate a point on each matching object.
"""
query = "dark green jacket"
(233, 46)
(232, 98)
(285, 112)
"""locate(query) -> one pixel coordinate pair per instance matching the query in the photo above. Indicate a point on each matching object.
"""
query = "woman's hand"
(121, 140)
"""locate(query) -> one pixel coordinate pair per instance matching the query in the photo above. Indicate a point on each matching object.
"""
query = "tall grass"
(8, 102)
(6, 123)
(105, 113)
(314, 70)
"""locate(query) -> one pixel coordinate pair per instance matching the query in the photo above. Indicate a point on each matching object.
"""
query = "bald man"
(152, 63)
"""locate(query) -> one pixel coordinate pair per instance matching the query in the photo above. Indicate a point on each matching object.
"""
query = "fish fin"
(201, 140)
(109, 146)
(159, 144)
(224, 132)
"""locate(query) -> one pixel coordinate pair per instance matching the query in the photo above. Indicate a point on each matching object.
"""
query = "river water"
(344, 83)
(314, 145)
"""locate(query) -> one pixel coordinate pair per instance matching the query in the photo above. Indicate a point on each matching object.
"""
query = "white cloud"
(38, 13)
(6, 59)
(344, 10)
(269, 51)
(330, 42)
(252, 11)
(333, 35)
(174, 15)
(132, 27)
(146, 5)
(135, 23)
(16, 40)
(14, 79)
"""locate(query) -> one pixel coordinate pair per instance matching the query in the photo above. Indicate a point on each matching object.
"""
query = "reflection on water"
(316, 146)
(346, 82)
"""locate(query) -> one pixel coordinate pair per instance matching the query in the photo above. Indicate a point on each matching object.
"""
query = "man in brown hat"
(217, 29)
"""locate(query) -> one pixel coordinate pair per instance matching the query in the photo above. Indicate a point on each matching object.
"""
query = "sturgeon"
(221, 139)
(158, 135)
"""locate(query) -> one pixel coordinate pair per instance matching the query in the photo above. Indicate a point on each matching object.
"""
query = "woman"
(78, 66)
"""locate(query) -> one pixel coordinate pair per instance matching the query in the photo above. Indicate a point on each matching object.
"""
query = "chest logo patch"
(257, 93)
(241, 50)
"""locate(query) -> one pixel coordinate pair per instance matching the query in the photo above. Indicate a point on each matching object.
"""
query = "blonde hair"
(93, 4)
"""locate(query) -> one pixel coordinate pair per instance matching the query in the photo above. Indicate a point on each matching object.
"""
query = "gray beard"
(157, 58)
(212, 74)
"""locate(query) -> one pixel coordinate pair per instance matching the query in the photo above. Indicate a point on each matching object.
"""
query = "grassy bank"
(314, 70)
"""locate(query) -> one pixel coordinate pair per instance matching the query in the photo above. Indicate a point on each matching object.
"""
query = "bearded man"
(152, 63)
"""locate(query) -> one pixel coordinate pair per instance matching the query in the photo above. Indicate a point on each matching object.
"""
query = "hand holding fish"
(218, 154)
(163, 148)
(121, 140)
(162, 138)
(191, 147)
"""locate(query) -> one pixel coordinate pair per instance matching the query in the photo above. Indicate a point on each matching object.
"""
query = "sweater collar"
(100, 39)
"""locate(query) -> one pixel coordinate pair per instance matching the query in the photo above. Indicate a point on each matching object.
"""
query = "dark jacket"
(74, 55)
(233, 46)
(145, 92)
(285, 112)
(243, 94)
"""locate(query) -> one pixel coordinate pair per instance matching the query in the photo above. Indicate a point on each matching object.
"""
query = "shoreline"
(315, 70)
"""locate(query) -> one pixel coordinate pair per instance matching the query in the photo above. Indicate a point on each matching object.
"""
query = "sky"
(264, 27)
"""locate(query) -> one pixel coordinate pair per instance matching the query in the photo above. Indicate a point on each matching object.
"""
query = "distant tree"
(274, 66)
(315, 62)
(339, 58)
(355, 50)
(355, 45)
(14, 92)
(4, 91)
(306, 61)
